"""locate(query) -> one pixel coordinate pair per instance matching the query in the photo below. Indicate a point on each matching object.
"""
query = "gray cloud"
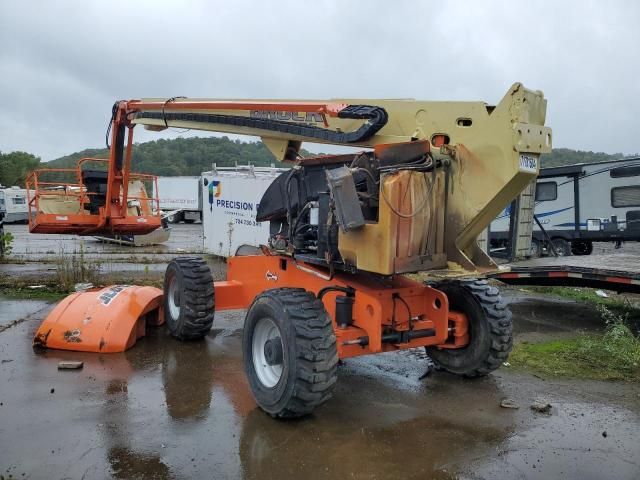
(63, 64)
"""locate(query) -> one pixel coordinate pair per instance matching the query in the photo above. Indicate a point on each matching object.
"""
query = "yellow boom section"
(491, 152)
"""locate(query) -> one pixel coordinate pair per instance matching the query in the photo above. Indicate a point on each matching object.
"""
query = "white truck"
(13, 202)
(230, 196)
(579, 204)
(182, 196)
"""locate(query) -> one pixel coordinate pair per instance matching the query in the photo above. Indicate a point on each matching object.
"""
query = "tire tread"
(316, 350)
(499, 318)
(199, 300)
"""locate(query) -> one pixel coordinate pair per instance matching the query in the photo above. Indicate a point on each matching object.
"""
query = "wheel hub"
(267, 352)
(174, 298)
(273, 351)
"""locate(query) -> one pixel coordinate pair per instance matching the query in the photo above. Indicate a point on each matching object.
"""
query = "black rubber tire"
(561, 246)
(581, 247)
(310, 356)
(490, 329)
(196, 298)
(175, 218)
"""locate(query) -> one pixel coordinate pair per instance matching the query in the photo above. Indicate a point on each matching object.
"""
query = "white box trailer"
(582, 203)
(13, 202)
(181, 195)
(230, 196)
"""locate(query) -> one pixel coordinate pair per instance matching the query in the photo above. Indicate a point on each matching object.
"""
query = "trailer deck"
(618, 272)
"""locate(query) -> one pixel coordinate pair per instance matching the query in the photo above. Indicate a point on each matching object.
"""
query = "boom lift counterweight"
(344, 229)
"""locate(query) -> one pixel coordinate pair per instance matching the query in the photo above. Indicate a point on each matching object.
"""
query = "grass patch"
(617, 304)
(613, 355)
(47, 294)
(582, 295)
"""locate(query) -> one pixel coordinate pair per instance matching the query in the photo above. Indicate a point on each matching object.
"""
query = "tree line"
(192, 156)
(15, 166)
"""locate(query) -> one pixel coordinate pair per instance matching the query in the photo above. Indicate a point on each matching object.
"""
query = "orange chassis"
(389, 313)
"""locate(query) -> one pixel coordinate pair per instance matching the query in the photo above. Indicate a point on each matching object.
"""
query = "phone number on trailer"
(251, 223)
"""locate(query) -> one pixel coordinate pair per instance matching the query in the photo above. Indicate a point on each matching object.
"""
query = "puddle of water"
(167, 409)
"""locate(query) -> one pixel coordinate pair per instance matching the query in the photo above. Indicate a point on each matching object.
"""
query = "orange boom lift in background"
(100, 201)
(344, 231)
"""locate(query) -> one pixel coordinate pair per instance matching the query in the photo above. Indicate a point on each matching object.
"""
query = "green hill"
(183, 156)
(566, 156)
(192, 156)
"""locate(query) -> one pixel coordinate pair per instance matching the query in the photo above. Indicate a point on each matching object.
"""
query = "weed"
(6, 243)
(613, 355)
(75, 268)
(618, 304)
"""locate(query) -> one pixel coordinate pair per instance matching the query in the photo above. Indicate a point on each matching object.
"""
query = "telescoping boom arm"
(343, 231)
(491, 151)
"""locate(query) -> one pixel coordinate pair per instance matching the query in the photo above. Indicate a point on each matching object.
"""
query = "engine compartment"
(322, 200)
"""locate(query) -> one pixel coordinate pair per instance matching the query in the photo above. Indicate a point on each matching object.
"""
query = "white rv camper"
(580, 204)
(13, 201)
(230, 199)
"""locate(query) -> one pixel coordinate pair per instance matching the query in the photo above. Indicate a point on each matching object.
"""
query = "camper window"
(546, 191)
(630, 171)
(625, 196)
(19, 200)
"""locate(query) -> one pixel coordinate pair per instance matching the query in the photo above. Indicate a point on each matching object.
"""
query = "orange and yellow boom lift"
(332, 280)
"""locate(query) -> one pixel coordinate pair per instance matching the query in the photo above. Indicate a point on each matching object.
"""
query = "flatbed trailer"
(617, 272)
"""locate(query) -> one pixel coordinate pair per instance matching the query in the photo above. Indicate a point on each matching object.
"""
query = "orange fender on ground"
(102, 320)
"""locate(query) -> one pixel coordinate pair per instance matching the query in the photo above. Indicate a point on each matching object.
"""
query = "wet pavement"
(184, 238)
(12, 311)
(34, 257)
(167, 409)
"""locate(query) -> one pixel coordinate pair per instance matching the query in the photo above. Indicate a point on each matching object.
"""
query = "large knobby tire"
(562, 247)
(490, 329)
(290, 354)
(188, 298)
(581, 247)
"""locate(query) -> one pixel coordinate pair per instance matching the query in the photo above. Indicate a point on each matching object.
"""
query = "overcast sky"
(62, 64)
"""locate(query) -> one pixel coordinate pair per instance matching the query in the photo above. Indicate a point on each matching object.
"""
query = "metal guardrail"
(37, 187)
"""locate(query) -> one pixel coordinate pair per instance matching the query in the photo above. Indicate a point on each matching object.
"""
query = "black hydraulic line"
(427, 332)
(350, 291)
(114, 111)
(298, 217)
(425, 165)
(376, 118)
(395, 337)
(406, 305)
(287, 190)
(544, 232)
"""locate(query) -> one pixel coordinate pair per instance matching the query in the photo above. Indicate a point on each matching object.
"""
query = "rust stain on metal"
(72, 336)
(40, 340)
